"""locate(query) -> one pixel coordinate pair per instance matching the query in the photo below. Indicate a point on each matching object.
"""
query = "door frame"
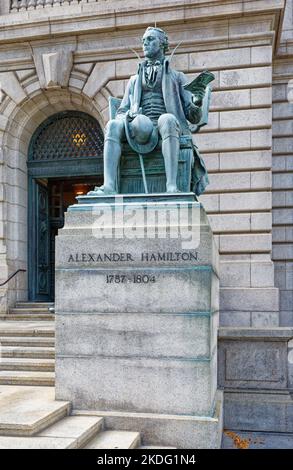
(35, 174)
(32, 242)
(46, 169)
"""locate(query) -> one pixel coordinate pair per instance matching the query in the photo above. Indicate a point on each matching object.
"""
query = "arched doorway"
(65, 159)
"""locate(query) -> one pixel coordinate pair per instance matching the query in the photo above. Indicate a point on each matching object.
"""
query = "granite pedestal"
(137, 300)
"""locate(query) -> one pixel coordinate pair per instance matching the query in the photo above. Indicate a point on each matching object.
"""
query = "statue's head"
(155, 43)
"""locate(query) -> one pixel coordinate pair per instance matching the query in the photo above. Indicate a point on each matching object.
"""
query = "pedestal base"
(137, 317)
(180, 431)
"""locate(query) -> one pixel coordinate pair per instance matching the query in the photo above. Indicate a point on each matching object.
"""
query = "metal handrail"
(12, 275)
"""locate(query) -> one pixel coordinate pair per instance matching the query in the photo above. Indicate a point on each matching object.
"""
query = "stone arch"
(18, 124)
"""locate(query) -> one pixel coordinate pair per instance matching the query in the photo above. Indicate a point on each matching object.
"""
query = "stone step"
(40, 365)
(26, 341)
(28, 317)
(26, 411)
(31, 378)
(35, 442)
(34, 304)
(32, 352)
(81, 429)
(69, 433)
(27, 329)
(28, 310)
(115, 440)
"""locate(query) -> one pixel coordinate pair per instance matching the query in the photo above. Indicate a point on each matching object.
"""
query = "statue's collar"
(153, 62)
(165, 62)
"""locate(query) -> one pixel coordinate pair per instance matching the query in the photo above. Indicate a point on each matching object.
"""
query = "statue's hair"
(163, 36)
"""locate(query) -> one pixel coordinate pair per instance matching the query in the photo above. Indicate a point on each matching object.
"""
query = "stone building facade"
(70, 55)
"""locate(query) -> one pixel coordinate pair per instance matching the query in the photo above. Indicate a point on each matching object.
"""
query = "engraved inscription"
(145, 257)
(135, 278)
(99, 257)
(129, 258)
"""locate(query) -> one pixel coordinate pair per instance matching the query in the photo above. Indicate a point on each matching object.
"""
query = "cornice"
(92, 47)
(121, 15)
(102, 54)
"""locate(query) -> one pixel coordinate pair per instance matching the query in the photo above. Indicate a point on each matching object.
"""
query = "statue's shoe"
(173, 190)
(101, 191)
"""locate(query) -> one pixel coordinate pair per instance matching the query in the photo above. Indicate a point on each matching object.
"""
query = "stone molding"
(257, 334)
(102, 16)
(90, 46)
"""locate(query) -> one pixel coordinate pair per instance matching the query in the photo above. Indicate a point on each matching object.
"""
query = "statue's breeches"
(168, 126)
(115, 130)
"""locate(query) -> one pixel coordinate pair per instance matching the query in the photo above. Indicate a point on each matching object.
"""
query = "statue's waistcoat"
(174, 102)
(152, 100)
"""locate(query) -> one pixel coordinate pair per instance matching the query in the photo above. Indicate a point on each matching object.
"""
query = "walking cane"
(143, 173)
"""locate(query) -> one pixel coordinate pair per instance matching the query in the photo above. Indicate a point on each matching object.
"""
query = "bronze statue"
(157, 104)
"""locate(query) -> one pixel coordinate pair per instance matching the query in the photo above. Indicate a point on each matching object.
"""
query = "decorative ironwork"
(65, 136)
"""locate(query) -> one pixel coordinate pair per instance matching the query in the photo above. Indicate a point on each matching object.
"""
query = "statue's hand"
(198, 97)
(194, 113)
(132, 114)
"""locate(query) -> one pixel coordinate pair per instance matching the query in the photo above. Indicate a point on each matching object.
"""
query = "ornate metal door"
(67, 145)
(41, 266)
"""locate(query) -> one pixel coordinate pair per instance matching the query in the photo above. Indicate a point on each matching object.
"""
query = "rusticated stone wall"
(283, 169)
(96, 62)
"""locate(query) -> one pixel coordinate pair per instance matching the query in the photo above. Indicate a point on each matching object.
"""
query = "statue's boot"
(170, 150)
(101, 191)
(169, 129)
(112, 154)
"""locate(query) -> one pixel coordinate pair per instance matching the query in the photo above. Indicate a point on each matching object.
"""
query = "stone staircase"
(27, 345)
(29, 311)
(30, 417)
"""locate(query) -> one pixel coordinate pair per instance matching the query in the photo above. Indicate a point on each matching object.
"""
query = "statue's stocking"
(112, 154)
(170, 150)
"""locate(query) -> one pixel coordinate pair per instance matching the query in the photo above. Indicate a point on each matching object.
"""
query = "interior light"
(79, 138)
